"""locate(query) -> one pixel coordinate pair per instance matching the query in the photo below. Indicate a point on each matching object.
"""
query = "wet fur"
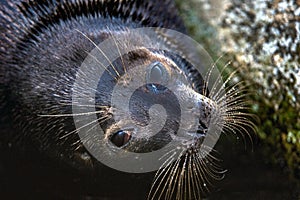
(40, 55)
(41, 52)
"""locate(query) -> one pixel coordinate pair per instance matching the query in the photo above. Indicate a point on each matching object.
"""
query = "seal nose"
(206, 107)
(208, 113)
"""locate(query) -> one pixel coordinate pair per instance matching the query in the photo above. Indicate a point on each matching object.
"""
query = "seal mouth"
(196, 140)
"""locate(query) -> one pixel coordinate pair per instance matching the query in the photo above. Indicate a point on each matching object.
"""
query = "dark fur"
(39, 55)
(41, 51)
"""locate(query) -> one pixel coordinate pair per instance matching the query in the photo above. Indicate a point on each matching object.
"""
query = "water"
(31, 175)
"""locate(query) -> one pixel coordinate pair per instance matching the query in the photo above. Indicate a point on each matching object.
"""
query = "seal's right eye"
(157, 73)
(120, 138)
(157, 76)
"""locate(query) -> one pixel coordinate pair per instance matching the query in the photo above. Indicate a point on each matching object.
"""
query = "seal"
(44, 43)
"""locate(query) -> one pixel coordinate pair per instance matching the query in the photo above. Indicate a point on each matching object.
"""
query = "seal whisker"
(72, 115)
(193, 177)
(237, 127)
(234, 107)
(213, 171)
(214, 94)
(219, 81)
(172, 176)
(232, 91)
(235, 104)
(169, 172)
(165, 171)
(203, 169)
(78, 142)
(101, 64)
(101, 121)
(77, 129)
(208, 74)
(237, 116)
(198, 175)
(118, 48)
(190, 178)
(201, 172)
(166, 162)
(242, 122)
(83, 105)
(181, 185)
(94, 127)
(185, 176)
(239, 99)
(100, 50)
(175, 176)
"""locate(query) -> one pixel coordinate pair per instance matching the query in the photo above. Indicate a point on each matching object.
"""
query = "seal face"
(88, 84)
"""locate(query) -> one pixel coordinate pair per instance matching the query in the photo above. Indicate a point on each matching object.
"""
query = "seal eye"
(157, 73)
(120, 138)
(157, 76)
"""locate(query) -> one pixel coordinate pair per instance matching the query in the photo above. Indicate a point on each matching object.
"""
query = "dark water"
(25, 176)
(250, 176)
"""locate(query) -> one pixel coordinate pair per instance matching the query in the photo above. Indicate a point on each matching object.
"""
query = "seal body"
(45, 46)
(41, 50)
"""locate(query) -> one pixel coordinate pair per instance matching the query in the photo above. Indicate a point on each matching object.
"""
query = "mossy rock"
(263, 39)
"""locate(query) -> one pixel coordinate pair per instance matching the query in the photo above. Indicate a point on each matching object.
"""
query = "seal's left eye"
(120, 138)
(157, 74)
(157, 77)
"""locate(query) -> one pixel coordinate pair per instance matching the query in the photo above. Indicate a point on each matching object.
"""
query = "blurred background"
(261, 38)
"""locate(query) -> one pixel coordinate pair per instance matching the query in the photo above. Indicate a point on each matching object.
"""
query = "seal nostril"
(120, 138)
(202, 124)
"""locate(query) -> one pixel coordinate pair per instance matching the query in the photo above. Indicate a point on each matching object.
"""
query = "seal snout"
(207, 110)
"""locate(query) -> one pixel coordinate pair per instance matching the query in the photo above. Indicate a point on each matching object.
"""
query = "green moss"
(198, 26)
(276, 99)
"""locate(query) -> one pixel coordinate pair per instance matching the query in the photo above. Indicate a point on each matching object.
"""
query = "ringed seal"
(44, 44)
